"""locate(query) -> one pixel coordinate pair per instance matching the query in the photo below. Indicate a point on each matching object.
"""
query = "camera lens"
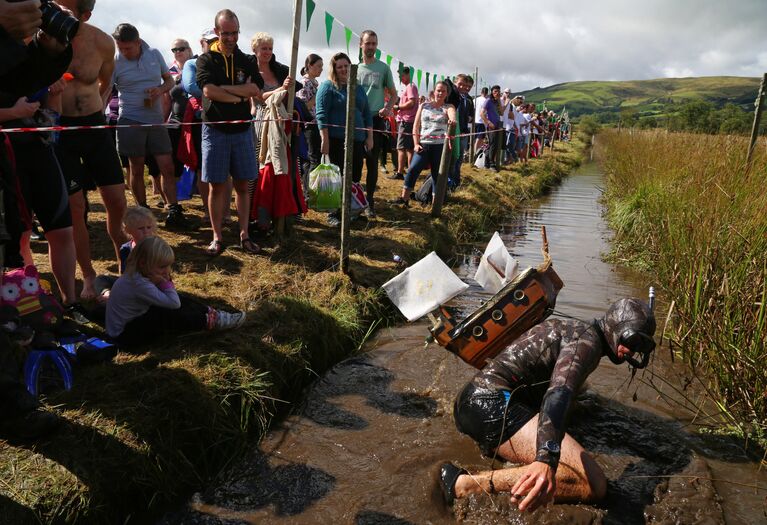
(57, 23)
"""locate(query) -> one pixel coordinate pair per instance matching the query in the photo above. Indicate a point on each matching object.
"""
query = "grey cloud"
(517, 45)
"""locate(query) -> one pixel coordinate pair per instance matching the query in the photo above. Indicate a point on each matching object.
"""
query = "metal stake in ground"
(351, 99)
(757, 117)
(441, 184)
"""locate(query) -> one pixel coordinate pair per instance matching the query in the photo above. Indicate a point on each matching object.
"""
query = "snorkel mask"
(631, 323)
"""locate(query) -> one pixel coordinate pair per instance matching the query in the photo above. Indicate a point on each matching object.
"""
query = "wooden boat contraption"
(525, 301)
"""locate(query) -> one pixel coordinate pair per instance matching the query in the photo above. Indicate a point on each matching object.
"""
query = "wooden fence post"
(440, 187)
(346, 200)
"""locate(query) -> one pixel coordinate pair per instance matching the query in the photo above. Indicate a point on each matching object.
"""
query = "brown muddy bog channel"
(364, 445)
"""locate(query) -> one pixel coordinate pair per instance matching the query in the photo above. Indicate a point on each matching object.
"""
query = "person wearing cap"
(516, 407)
(189, 83)
(510, 148)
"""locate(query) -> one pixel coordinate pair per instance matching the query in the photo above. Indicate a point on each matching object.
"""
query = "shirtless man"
(90, 158)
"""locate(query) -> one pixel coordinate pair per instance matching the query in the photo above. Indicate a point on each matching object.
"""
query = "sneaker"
(176, 218)
(369, 213)
(399, 201)
(77, 313)
(226, 320)
(334, 221)
(396, 176)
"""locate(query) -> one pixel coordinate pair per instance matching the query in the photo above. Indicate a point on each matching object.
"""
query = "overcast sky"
(520, 45)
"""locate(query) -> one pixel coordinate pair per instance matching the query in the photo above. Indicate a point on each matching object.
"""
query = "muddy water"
(363, 447)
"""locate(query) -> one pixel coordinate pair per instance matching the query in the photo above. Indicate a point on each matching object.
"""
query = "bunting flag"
(378, 54)
(348, 38)
(328, 25)
(388, 60)
(418, 76)
(310, 5)
(399, 68)
(412, 73)
(427, 81)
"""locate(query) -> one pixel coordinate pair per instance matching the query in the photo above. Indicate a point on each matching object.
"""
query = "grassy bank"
(142, 432)
(685, 208)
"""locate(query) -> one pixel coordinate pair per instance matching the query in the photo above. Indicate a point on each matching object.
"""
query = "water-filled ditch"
(363, 447)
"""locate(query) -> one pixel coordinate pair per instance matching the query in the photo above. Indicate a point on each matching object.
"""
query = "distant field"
(646, 97)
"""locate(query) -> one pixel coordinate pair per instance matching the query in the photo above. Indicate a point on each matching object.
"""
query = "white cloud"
(517, 45)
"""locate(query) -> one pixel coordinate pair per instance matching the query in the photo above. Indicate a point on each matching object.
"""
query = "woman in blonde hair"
(144, 305)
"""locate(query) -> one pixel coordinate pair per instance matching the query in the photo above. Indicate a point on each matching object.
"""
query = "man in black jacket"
(228, 79)
(24, 70)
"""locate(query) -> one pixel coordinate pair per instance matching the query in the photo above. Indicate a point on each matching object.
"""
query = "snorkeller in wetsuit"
(517, 406)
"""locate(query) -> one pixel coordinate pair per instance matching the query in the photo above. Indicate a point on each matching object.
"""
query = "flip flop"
(249, 246)
(215, 248)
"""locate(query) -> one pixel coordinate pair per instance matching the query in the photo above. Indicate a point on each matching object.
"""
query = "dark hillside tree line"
(695, 116)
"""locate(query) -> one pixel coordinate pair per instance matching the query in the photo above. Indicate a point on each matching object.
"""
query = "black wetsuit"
(540, 372)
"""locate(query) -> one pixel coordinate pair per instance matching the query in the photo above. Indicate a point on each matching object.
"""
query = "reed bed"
(687, 208)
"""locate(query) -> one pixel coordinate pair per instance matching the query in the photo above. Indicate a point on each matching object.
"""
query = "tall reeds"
(686, 208)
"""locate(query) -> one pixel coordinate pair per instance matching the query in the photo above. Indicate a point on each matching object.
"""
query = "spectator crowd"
(216, 120)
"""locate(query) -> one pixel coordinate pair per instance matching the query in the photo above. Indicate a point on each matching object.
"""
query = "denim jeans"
(430, 154)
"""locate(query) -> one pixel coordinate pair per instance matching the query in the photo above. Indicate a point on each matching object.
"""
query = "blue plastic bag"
(185, 184)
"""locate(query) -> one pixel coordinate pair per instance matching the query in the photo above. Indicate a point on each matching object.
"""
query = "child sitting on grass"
(138, 223)
(144, 305)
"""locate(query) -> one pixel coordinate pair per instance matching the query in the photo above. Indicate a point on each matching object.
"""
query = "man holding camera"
(89, 158)
(24, 70)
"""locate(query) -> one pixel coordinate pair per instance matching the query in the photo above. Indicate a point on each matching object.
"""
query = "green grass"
(685, 208)
(145, 431)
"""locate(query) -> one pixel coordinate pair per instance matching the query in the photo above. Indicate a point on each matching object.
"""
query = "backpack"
(424, 193)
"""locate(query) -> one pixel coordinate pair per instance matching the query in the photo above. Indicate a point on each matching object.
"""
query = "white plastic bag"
(497, 267)
(423, 286)
(479, 162)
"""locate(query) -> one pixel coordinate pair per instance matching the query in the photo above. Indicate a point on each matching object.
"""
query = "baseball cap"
(209, 35)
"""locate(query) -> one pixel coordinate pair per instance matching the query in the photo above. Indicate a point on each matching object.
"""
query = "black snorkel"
(638, 341)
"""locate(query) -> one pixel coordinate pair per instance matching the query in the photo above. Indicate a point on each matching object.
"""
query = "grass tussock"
(686, 208)
(144, 431)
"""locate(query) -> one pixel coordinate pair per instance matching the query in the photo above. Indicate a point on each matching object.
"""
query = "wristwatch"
(549, 454)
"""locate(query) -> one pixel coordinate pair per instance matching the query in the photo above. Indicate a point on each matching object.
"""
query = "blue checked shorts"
(225, 154)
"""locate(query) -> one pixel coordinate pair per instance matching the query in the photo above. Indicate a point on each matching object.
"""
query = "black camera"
(57, 23)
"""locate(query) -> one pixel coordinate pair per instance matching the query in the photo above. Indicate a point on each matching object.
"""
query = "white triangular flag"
(497, 267)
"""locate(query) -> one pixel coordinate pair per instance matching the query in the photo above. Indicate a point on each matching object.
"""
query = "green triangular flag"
(310, 5)
(388, 60)
(399, 68)
(348, 38)
(412, 73)
(328, 25)
(418, 75)
(378, 54)
(427, 81)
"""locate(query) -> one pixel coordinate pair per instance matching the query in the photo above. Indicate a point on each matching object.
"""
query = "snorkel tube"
(638, 341)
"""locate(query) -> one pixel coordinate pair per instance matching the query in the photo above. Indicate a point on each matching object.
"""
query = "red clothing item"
(277, 195)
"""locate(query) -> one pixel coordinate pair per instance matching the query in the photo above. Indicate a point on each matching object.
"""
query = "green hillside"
(646, 98)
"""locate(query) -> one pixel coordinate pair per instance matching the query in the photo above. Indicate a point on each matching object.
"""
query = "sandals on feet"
(215, 248)
(249, 246)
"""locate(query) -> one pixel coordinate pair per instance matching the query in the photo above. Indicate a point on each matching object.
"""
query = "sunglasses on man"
(178, 49)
